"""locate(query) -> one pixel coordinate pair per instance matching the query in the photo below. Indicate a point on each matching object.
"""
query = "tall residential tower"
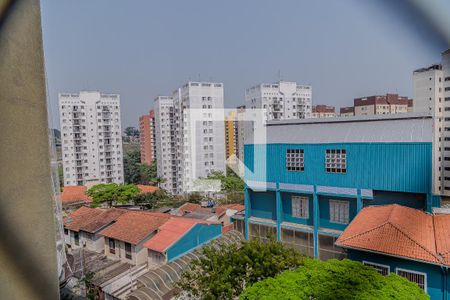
(91, 138)
(282, 100)
(147, 138)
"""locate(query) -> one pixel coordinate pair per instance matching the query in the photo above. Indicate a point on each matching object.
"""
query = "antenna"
(279, 75)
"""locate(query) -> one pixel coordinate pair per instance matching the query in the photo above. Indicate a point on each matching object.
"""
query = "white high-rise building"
(165, 141)
(91, 138)
(282, 100)
(193, 152)
(427, 89)
(445, 129)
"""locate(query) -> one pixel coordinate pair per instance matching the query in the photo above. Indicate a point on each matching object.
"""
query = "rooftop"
(74, 194)
(400, 231)
(397, 128)
(170, 232)
(134, 226)
(91, 219)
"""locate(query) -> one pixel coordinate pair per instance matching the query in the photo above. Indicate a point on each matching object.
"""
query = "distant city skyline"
(344, 50)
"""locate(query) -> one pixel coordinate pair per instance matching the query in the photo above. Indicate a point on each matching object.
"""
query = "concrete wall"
(139, 253)
(28, 260)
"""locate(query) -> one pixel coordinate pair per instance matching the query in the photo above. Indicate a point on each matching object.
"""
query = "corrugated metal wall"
(402, 167)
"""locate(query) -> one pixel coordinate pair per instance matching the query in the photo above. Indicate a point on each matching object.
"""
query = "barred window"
(416, 277)
(336, 161)
(300, 207)
(382, 269)
(339, 211)
(295, 160)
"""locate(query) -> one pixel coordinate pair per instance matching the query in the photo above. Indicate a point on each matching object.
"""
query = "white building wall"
(166, 158)
(445, 131)
(91, 138)
(283, 100)
(202, 151)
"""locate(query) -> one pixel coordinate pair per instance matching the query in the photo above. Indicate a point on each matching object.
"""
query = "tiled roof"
(81, 217)
(98, 222)
(220, 210)
(400, 231)
(135, 226)
(76, 193)
(147, 188)
(189, 207)
(91, 219)
(171, 232)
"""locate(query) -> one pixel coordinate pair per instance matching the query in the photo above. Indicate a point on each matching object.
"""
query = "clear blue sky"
(141, 49)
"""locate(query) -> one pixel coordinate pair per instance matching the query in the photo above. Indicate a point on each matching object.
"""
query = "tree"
(224, 273)
(157, 181)
(195, 197)
(148, 173)
(132, 167)
(232, 185)
(112, 193)
(334, 279)
(131, 131)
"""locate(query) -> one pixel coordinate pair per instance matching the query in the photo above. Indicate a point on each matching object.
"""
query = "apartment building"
(231, 134)
(283, 100)
(91, 138)
(347, 111)
(431, 86)
(323, 111)
(184, 152)
(382, 104)
(200, 150)
(147, 138)
(166, 142)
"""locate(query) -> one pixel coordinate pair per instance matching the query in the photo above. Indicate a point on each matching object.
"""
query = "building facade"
(91, 138)
(313, 176)
(283, 100)
(190, 146)
(323, 111)
(147, 138)
(166, 142)
(382, 105)
(347, 111)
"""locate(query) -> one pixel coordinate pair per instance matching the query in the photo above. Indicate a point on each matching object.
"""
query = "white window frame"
(346, 214)
(414, 272)
(300, 207)
(295, 160)
(375, 265)
(336, 161)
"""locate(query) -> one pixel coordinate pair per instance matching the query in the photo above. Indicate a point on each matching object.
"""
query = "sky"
(144, 48)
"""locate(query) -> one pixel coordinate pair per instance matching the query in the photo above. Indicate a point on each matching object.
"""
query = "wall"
(406, 199)
(263, 205)
(198, 235)
(287, 209)
(402, 167)
(434, 275)
(324, 212)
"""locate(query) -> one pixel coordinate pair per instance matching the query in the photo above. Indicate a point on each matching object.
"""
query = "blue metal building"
(312, 177)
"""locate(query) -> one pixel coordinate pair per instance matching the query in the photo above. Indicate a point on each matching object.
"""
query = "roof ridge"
(411, 239)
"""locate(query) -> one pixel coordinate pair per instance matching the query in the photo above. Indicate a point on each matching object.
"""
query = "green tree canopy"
(112, 193)
(224, 273)
(230, 182)
(131, 131)
(334, 279)
(131, 167)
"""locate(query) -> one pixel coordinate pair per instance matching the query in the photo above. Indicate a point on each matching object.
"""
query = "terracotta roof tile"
(98, 222)
(147, 188)
(171, 232)
(400, 231)
(76, 193)
(135, 226)
(81, 217)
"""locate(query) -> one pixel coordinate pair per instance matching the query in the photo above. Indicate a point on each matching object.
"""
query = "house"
(311, 177)
(82, 227)
(73, 197)
(179, 236)
(407, 241)
(125, 238)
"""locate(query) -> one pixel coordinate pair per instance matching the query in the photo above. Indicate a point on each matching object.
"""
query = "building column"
(359, 203)
(279, 209)
(247, 209)
(429, 204)
(316, 222)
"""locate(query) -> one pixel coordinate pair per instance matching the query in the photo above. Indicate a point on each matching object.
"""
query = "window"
(339, 211)
(300, 207)
(295, 160)
(416, 277)
(382, 269)
(76, 236)
(328, 249)
(128, 250)
(302, 241)
(112, 246)
(336, 161)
